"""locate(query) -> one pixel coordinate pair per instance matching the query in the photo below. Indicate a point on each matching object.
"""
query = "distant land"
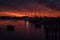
(23, 17)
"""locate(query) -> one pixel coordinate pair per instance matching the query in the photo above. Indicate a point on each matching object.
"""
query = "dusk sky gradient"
(29, 5)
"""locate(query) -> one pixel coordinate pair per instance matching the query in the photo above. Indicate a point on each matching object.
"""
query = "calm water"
(22, 31)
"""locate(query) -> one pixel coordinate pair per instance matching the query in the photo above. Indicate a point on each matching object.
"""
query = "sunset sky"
(50, 8)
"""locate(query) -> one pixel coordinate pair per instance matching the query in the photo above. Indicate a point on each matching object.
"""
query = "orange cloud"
(48, 13)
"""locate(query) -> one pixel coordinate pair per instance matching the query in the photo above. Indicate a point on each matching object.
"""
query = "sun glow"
(15, 14)
(12, 14)
(32, 13)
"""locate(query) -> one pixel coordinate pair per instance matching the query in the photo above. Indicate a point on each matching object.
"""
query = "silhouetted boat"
(10, 27)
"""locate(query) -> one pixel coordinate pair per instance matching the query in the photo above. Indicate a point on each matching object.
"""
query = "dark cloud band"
(12, 4)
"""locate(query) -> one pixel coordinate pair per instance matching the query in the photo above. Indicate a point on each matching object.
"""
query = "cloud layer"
(28, 4)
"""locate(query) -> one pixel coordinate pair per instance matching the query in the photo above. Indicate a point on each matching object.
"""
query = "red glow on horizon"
(32, 13)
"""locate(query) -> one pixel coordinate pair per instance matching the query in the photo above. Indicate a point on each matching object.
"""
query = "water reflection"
(52, 30)
(37, 25)
(29, 31)
(27, 25)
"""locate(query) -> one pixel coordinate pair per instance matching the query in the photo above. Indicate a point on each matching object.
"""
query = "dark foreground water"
(23, 31)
